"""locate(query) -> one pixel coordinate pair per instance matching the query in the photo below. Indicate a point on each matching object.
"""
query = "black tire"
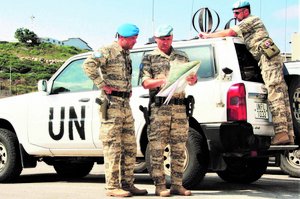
(290, 163)
(10, 161)
(73, 169)
(290, 160)
(140, 166)
(196, 162)
(294, 94)
(243, 170)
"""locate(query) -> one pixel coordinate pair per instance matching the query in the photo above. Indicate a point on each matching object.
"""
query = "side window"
(136, 58)
(205, 55)
(72, 79)
(250, 70)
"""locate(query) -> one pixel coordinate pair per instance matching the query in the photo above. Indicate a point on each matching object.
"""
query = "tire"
(10, 161)
(290, 163)
(290, 160)
(73, 169)
(243, 170)
(140, 166)
(195, 164)
(294, 94)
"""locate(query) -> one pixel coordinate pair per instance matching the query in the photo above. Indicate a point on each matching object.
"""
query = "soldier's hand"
(192, 79)
(203, 35)
(162, 80)
(108, 89)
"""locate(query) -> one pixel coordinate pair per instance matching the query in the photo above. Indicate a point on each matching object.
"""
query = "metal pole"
(153, 28)
(10, 80)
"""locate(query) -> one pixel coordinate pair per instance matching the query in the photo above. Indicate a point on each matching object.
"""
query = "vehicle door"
(63, 118)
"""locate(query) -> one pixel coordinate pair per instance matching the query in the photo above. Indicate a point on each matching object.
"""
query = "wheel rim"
(296, 105)
(3, 156)
(167, 160)
(294, 158)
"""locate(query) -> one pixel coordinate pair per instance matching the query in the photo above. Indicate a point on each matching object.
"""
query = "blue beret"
(163, 31)
(128, 30)
(240, 4)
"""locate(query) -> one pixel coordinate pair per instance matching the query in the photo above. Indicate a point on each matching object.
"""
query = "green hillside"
(21, 66)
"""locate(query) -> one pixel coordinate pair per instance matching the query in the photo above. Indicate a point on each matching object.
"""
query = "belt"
(176, 101)
(120, 94)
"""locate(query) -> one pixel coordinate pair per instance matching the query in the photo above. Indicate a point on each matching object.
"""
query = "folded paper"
(176, 80)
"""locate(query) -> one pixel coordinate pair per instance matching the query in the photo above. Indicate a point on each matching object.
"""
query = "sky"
(96, 21)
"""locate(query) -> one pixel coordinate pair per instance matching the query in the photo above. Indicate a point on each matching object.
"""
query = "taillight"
(236, 103)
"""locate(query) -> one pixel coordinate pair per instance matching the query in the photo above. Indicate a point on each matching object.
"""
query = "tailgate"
(258, 113)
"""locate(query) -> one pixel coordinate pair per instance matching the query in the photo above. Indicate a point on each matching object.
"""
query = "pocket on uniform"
(269, 48)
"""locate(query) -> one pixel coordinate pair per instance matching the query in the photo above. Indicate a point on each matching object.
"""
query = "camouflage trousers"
(169, 125)
(119, 144)
(277, 94)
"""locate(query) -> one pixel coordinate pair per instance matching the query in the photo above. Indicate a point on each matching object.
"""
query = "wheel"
(243, 170)
(290, 163)
(290, 160)
(195, 164)
(294, 94)
(73, 169)
(140, 166)
(10, 161)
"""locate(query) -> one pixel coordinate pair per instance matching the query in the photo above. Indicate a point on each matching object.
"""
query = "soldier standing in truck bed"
(263, 49)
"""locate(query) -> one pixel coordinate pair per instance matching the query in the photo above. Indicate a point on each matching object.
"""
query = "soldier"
(168, 123)
(263, 49)
(110, 69)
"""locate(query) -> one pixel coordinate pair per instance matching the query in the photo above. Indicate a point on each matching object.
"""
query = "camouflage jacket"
(157, 63)
(253, 31)
(111, 66)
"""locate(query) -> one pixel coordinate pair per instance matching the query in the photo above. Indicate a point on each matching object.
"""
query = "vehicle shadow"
(91, 178)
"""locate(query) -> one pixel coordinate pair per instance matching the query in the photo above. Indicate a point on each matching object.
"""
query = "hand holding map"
(176, 80)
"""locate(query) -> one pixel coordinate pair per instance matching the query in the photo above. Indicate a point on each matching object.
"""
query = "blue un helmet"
(128, 30)
(241, 4)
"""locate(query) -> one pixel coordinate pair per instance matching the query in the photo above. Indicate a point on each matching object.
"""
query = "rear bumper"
(239, 137)
(235, 137)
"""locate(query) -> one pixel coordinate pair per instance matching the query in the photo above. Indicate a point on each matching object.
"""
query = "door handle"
(84, 100)
(144, 96)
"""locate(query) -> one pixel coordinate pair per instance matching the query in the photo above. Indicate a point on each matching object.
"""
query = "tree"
(26, 36)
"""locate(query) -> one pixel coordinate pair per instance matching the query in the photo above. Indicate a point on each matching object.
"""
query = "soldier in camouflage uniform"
(263, 49)
(168, 123)
(110, 69)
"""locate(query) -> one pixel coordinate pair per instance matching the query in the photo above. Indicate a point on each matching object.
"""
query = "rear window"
(205, 55)
(250, 70)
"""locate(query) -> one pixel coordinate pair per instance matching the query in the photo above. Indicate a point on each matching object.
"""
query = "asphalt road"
(43, 183)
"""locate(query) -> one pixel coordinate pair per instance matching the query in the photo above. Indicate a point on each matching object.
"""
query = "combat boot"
(161, 190)
(118, 193)
(135, 191)
(292, 139)
(180, 190)
(280, 139)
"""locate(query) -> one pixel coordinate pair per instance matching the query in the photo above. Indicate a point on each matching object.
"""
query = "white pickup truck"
(230, 130)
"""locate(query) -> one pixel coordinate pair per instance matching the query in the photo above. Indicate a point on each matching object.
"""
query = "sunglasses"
(238, 12)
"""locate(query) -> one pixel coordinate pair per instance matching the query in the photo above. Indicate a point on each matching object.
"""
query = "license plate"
(261, 111)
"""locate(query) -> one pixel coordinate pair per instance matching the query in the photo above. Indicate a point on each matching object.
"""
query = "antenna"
(153, 28)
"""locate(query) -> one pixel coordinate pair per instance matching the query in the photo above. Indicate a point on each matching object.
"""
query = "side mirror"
(42, 85)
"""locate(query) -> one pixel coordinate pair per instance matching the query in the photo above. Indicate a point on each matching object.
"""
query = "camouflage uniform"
(168, 123)
(117, 132)
(254, 32)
